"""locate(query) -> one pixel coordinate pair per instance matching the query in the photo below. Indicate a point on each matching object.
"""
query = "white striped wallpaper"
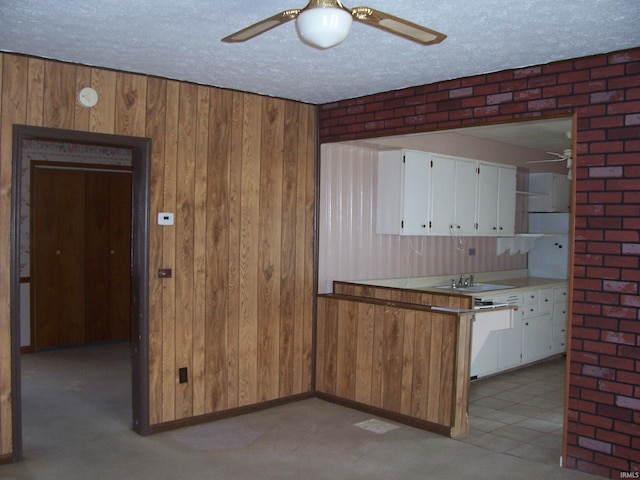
(349, 248)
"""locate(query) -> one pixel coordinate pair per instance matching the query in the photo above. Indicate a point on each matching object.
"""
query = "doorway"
(140, 171)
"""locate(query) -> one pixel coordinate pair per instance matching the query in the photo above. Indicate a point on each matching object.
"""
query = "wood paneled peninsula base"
(403, 361)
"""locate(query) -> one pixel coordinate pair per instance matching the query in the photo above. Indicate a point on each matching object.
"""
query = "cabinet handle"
(526, 323)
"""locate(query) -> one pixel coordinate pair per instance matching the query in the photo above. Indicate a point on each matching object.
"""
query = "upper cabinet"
(496, 200)
(403, 196)
(551, 192)
(453, 196)
(421, 193)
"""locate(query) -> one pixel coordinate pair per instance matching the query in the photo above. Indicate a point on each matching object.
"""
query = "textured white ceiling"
(180, 39)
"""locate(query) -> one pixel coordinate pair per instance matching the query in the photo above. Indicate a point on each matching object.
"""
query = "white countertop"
(516, 278)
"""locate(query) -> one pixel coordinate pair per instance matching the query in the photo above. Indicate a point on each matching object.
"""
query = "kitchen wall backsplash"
(350, 249)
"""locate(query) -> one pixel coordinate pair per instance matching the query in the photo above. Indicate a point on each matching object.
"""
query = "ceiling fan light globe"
(324, 27)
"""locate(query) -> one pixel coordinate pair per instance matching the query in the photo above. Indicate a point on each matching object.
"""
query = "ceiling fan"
(565, 156)
(326, 23)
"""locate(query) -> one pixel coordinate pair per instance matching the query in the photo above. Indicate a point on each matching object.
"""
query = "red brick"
(580, 453)
(629, 352)
(484, 90)
(600, 348)
(573, 101)
(607, 121)
(589, 62)
(542, 104)
(527, 72)
(613, 412)
(611, 461)
(619, 312)
(585, 382)
(616, 362)
(627, 427)
(588, 86)
(615, 387)
(631, 326)
(625, 452)
(623, 107)
(609, 71)
(613, 438)
(623, 133)
(620, 287)
(598, 397)
(580, 77)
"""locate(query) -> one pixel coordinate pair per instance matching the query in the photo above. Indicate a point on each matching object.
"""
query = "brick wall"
(603, 92)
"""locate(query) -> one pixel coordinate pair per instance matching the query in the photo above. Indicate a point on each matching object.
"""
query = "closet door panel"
(57, 265)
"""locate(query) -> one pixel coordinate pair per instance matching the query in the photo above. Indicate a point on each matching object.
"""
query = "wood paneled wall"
(238, 171)
(398, 358)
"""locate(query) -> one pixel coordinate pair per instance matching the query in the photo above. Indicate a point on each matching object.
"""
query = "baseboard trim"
(380, 412)
(232, 412)
(7, 458)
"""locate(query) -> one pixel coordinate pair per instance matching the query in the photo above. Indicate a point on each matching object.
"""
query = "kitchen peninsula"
(402, 348)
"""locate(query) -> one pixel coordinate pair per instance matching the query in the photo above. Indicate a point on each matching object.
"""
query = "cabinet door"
(485, 347)
(545, 300)
(466, 197)
(389, 193)
(416, 173)
(506, 201)
(443, 199)
(536, 337)
(487, 219)
(511, 344)
(402, 206)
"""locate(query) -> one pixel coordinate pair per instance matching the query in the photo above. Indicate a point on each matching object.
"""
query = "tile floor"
(520, 412)
(76, 418)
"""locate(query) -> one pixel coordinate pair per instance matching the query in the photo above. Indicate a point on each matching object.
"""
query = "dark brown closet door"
(81, 259)
(108, 255)
(57, 260)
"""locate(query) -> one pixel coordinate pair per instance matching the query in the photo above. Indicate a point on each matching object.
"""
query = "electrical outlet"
(472, 251)
(183, 376)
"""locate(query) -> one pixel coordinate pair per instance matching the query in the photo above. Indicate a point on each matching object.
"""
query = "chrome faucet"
(462, 282)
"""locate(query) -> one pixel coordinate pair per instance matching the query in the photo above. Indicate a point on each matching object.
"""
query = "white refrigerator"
(549, 257)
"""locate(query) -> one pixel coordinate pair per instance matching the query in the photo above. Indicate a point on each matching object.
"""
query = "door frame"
(141, 168)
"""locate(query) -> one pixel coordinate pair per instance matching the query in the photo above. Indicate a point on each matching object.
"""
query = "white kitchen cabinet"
(443, 205)
(496, 211)
(559, 321)
(421, 193)
(454, 196)
(550, 192)
(539, 331)
(487, 219)
(507, 179)
(403, 196)
(536, 337)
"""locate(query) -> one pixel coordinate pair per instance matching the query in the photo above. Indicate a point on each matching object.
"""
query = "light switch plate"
(165, 218)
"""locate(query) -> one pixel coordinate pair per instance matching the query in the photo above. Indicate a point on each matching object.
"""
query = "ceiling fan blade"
(397, 26)
(262, 26)
(550, 160)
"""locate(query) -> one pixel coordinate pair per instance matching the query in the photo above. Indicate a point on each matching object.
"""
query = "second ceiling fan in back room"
(326, 23)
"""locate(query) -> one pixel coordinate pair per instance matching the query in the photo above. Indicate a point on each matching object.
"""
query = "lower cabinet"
(539, 331)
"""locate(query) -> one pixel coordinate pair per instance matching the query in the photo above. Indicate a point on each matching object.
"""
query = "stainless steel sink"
(477, 287)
